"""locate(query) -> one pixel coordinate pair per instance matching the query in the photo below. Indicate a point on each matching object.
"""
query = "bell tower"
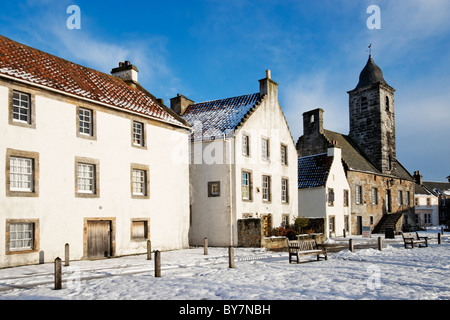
(372, 118)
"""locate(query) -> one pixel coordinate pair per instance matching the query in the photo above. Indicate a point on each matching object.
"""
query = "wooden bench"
(412, 238)
(299, 248)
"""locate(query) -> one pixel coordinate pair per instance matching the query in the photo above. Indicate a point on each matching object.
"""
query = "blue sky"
(211, 49)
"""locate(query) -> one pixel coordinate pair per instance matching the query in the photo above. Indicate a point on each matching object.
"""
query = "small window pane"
(21, 174)
(21, 107)
(86, 178)
(85, 121)
(21, 236)
(139, 179)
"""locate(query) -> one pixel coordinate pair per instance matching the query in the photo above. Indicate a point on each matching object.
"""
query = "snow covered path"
(395, 273)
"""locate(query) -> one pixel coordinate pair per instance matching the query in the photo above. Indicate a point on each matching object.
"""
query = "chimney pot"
(268, 74)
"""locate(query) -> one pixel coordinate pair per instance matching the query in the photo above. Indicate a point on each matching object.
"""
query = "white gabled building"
(323, 191)
(426, 203)
(243, 164)
(88, 159)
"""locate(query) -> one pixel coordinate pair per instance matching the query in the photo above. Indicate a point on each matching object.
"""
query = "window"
(283, 154)
(346, 223)
(371, 220)
(21, 174)
(427, 218)
(22, 236)
(346, 198)
(374, 196)
(246, 145)
(139, 230)
(428, 202)
(364, 102)
(265, 149)
(138, 134)
(332, 224)
(21, 107)
(214, 189)
(408, 198)
(139, 182)
(387, 103)
(266, 188)
(285, 220)
(86, 178)
(311, 118)
(86, 123)
(246, 186)
(358, 195)
(331, 197)
(22, 171)
(284, 190)
(400, 197)
(416, 201)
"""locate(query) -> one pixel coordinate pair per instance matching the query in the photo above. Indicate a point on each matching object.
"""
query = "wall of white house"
(427, 210)
(267, 122)
(215, 160)
(313, 202)
(60, 214)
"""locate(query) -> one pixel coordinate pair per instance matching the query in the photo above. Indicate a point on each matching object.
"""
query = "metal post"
(344, 233)
(58, 274)
(439, 238)
(380, 243)
(350, 245)
(157, 264)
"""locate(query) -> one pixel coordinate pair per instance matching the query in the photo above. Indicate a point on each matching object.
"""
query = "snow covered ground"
(395, 273)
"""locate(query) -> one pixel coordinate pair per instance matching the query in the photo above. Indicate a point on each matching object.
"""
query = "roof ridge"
(215, 100)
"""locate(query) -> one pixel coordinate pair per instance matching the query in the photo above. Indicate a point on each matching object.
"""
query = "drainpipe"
(230, 186)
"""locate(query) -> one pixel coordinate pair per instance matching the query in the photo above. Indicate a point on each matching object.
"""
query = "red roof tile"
(41, 68)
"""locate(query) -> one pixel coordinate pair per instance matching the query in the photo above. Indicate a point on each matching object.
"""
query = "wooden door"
(98, 239)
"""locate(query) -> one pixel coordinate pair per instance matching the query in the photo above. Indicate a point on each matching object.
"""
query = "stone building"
(382, 190)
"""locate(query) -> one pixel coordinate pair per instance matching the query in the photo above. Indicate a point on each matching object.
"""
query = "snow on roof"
(218, 118)
(41, 68)
(313, 170)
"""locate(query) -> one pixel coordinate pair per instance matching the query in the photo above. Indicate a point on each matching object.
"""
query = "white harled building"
(243, 164)
(87, 159)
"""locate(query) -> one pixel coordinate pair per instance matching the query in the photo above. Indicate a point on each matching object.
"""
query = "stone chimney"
(313, 122)
(127, 72)
(418, 177)
(180, 103)
(268, 87)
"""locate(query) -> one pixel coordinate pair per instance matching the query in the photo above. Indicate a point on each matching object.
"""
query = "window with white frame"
(246, 194)
(283, 154)
(246, 145)
(85, 122)
(284, 190)
(330, 197)
(86, 178)
(21, 107)
(346, 198)
(21, 236)
(139, 182)
(265, 149)
(21, 174)
(374, 196)
(285, 220)
(358, 195)
(138, 134)
(266, 188)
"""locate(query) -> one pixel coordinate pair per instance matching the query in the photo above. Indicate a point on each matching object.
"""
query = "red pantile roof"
(41, 68)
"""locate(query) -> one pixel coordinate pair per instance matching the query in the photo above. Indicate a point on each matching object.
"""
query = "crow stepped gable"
(382, 190)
